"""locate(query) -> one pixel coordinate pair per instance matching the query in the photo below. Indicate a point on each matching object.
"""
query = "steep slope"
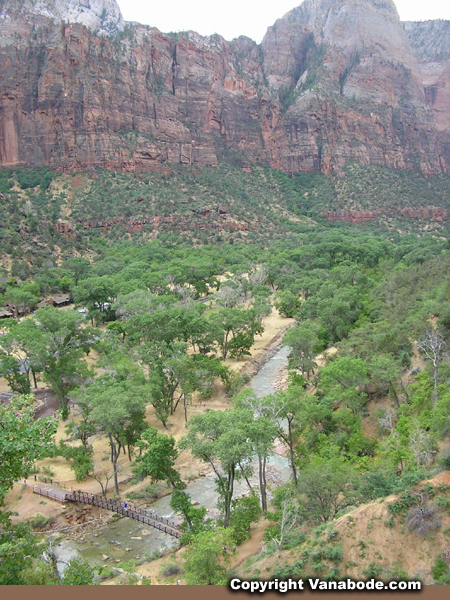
(370, 541)
(430, 41)
(331, 82)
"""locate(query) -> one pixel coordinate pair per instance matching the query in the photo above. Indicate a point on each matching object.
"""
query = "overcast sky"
(232, 18)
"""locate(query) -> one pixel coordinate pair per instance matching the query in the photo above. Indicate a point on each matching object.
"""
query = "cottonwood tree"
(78, 267)
(157, 460)
(327, 488)
(60, 341)
(305, 343)
(423, 446)
(281, 408)
(220, 438)
(262, 434)
(207, 557)
(117, 402)
(288, 516)
(342, 380)
(23, 440)
(18, 356)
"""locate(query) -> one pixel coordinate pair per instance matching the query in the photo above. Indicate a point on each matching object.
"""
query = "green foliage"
(287, 303)
(207, 556)
(34, 178)
(328, 488)
(373, 571)
(81, 459)
(78, 572)
(17, 548)
(23, 440)
(441, 571)
(244, 512)
(157, 457)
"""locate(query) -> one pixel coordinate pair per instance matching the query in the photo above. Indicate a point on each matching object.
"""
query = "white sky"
(232, 18)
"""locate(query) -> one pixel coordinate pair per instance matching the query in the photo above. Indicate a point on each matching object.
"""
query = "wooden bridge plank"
(133, 512)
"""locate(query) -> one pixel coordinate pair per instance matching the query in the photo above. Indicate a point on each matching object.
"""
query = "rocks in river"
(136, 538)
(281, 380)
(145, 532)
(105, 557)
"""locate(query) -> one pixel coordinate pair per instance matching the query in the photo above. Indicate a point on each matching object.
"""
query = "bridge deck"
(117, 506)
(50, 491)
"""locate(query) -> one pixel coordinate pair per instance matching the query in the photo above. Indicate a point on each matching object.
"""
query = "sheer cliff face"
(430, 41)
(100, 16)
(333, 81)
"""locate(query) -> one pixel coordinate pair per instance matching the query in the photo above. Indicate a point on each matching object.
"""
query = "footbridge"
(142, 515)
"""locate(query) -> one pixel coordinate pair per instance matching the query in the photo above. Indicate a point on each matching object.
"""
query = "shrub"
(372, 571)
(170, 570)
(441, 571)
(423, 519)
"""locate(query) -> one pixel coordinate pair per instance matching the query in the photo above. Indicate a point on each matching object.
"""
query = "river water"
(115, 540)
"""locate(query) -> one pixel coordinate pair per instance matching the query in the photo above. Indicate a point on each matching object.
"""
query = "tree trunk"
(262, 482)
(229, 497)
(115, 453)
(34, 378)
(291, 451)
(394, 392)
(245, 477)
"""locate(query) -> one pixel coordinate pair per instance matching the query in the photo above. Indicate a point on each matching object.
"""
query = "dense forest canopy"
(169, 312)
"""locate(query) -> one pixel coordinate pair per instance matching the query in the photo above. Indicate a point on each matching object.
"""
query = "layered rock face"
(332, 81)
(430, 41)
(100, 16)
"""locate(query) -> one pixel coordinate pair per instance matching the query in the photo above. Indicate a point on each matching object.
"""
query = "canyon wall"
(333, 81)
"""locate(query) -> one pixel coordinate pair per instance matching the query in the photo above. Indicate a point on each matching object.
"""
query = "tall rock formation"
(430, 41)
(100, 16)
(332, 81)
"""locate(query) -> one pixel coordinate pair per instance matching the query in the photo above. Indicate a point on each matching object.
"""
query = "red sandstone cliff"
(333, 81)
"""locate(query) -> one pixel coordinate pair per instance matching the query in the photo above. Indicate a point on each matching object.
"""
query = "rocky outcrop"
(430, 41)
(352, 216)
(210, 217)
(100, 16)
(364, 216)
(332, 81)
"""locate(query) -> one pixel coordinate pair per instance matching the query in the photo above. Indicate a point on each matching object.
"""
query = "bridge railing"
(47, 494)
(134, 512)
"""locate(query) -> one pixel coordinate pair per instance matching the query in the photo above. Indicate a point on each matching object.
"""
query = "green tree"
(207, 556)
(244, 512)
(97, 294)
(287, 303)
(342, 381)
(23, 440)
(305, 343)
(220, 438)
(157, 458)
(78, 572)
(78, 267)
(60, 342)
(117, 402)
(327, 488)
(282, 409)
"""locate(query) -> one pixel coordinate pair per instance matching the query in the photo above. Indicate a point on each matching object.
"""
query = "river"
(116, 542)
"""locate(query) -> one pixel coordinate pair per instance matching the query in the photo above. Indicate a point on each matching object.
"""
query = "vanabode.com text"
(319, 584)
